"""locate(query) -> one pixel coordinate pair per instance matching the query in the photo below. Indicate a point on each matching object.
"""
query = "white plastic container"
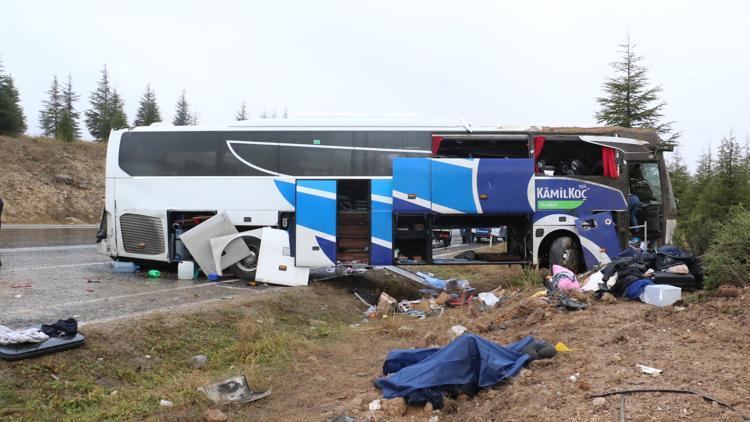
(185, 270)
(661, 295)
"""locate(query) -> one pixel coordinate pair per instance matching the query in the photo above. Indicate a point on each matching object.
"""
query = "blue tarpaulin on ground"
(469, 359)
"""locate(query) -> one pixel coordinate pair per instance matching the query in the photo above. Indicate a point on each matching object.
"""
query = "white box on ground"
(661, 295)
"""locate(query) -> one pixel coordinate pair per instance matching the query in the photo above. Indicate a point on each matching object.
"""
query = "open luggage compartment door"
(381, 222)
(315, 231)
(598, 236)
(411, 185)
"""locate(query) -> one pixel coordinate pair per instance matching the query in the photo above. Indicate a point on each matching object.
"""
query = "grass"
(123, 372)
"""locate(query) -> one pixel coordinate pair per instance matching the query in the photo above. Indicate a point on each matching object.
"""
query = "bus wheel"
(246, 268)
(564, 252)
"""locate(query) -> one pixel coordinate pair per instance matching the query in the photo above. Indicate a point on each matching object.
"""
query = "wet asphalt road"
(53, 273)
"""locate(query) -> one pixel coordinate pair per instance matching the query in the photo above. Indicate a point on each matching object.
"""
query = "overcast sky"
(496, 63)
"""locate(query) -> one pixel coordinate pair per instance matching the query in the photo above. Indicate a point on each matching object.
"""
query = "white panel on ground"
(275, 265)
(198, 241)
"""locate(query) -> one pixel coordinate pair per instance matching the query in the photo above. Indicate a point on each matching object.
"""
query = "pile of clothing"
(61, 328)
(629, 274)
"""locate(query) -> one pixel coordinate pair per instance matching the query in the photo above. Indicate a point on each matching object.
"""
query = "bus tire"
(246, 268)
(564, 252)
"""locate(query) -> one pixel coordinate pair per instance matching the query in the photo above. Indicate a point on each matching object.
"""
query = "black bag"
(683, 281)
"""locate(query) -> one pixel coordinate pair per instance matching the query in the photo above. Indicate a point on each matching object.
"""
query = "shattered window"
(645, 182)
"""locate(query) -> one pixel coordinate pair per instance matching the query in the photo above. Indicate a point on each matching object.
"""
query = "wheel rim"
(250, 263)
(568, 257)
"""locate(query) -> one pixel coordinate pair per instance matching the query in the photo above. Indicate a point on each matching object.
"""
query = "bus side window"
(571, 158)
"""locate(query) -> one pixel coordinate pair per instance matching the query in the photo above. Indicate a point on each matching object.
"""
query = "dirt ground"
(46, 181)
(311, 347)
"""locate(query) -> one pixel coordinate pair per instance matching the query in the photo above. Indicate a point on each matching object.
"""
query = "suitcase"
(683, 281)
(51, 345)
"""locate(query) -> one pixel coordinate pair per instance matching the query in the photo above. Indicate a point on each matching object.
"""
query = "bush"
(727, 260)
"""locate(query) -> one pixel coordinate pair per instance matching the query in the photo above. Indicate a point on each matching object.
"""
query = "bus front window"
(645, 182)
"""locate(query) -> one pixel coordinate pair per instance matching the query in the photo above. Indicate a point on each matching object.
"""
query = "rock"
(535, 317)
(526, 373)
(427, 408)
(394, 407)
(214, 415)
(64, 178)
(727, 291)
(481, 325)
(599, 402)
(197, 361)
(316, 322)
(165, 403)
(406, 331)
(584, 385)
(608, 299)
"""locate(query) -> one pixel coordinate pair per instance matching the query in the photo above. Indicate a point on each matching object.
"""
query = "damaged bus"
(374, 192)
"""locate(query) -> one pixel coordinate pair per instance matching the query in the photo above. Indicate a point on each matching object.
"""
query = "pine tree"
(12, 119)
(286, 114)
(680, 178)
(69, 129)
(263, 114)
(148, 110)
(182, 115)
(242, 113)
(629, 101)
(49, 116)
(118, 120)
(106, 112)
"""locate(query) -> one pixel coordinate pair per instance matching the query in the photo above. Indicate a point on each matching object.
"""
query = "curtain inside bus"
(609, 163)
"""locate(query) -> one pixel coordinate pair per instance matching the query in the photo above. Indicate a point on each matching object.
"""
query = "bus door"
(315, 230)
(598, 236)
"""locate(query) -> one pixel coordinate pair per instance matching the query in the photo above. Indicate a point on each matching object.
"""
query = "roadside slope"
(48, 181)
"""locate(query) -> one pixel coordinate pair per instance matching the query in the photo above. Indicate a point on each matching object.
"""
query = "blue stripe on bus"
(286, 189)
(381, 255)
(324, 185)
(328, 248)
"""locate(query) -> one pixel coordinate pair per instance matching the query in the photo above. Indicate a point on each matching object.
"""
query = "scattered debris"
(20, 285)
(165, 403)
(671, 390)
(394, 407)
(488, 299)
(233, 390)
(649, 370)
(599, 402)
(458, 330)
(124, 267)
(90, 290)
(214, 415)
(562, 347)
(342, 417)
(93, 281)
(154, 273)
(374, 405)
(386, 304)
(197, 361)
